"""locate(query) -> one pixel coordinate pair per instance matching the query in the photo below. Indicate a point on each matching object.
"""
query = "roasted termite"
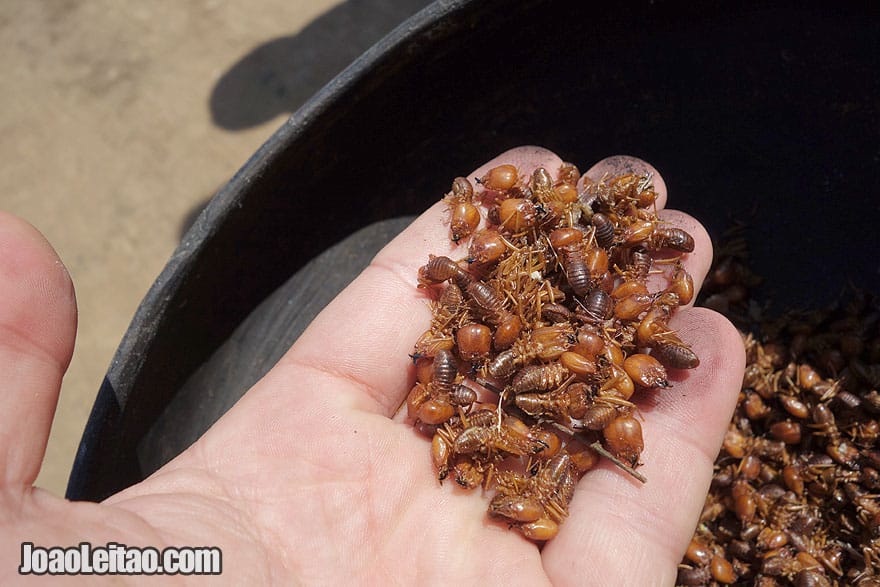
(549, 318)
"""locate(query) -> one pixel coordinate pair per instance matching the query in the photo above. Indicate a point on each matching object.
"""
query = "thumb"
(37, 331)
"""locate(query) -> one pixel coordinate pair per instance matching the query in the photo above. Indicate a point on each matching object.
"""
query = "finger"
(636, 533)
(383, 312)
(696, 263)
(622, 164)
(37, 331)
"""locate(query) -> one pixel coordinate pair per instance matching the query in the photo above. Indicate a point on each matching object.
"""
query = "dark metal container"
(767, 116)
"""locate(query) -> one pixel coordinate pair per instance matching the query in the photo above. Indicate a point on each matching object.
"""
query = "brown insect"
(539, 378)
(474, 341)
(545, 343)
(682, 285)
(604, 230)
(440, 269)
(561, 404)
(670, 237)
(599, 415)
(464, 217)
(584, 267)
(538, 504)
(557, 200)
(555, 313)
(516, 215)
(434, 402)
(548, 313)
(487, 247)
(597, 307)
(623, 437)
(493, 440)
(444, 438)
(500, 178)
(653, 331)
(646, 371)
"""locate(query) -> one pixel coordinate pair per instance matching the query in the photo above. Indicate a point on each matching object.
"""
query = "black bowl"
(766, 116)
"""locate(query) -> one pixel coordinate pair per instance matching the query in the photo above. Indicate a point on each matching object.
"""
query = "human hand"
(311, 479)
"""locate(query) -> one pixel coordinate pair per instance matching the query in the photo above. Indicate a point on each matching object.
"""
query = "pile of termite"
(543, 331)
(794, 498)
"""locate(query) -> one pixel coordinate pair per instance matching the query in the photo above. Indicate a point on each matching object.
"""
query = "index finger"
(622, 164)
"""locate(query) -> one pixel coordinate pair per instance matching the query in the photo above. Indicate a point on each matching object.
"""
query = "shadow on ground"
(280, 75)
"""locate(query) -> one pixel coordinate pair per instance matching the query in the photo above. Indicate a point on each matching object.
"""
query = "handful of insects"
(542, 331)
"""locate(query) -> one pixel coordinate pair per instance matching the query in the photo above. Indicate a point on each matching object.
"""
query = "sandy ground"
(119, 120)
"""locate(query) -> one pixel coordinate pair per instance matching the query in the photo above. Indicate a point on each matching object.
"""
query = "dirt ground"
(120, 120)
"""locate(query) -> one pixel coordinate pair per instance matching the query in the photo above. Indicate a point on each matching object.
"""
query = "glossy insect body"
(618, 384)
(462, 395)
(565, 237)
(418, 395)
(604, 230)
(646, 371)
(584, 267)
(598, 306)
(440, 269)
(487, 300)
(623, 437)
(444, 439)
(638, 232)
(598, 416)
(516, 215)
(539, 503)
(670, 237)
(464, 216)
(576, 270)
(640, 263)
(555, 484)
(449, 312)
(675, 355)
(682, 284)
(507, 331)
(483, 296)
(516, 508)
(474, 341)
(541, 182)
(500, 178)
(445, 371)
(632, 286)
(546, 343)
(464, 219)
(491, 306)
(539, 378)
(434, 403)
(462, 189)
(487, 246)
(632, 306)
(491, 440)
(568, 173)
(435, 411)
(578, 365)
(617, 192)
(469, 474)
(555, 313)
(561, 404)
(653, 331)
(441, 450)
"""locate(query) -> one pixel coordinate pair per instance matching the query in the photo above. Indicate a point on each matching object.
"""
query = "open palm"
(311, 478)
